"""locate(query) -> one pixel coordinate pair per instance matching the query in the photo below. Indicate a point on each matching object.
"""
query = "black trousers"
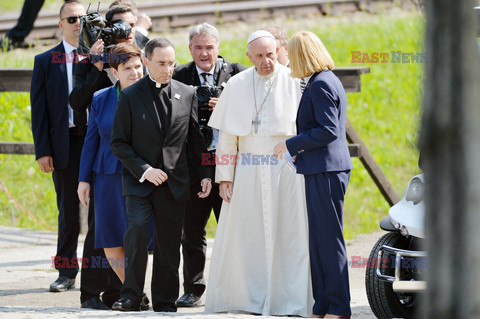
(25, 22)
(95, 281)
(194, 241)
(66, 182)
(168, 220)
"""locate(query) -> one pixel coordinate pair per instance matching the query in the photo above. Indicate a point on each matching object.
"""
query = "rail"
(169, 15)
(18, 80)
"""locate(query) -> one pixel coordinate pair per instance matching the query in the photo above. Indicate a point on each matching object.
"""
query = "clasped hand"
(206, 184)
(226, 190)
(157, 177)
(280, 149)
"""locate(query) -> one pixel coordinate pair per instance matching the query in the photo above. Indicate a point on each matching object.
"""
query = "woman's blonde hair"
(308, 55)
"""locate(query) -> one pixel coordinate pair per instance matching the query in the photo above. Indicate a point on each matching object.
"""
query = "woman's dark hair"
(123, 52)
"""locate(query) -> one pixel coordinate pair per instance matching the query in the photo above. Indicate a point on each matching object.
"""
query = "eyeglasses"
(71, 20)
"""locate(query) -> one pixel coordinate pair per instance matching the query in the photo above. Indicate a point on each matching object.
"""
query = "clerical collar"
(157, 85)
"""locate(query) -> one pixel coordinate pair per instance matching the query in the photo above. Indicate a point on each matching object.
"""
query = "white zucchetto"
(259, 34)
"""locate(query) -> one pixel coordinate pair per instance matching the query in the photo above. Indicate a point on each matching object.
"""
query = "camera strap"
(216, 72)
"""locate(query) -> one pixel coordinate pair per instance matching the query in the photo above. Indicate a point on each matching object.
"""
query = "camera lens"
(203, 94)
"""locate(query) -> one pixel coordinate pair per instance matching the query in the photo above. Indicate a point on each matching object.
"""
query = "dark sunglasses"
(71, 20)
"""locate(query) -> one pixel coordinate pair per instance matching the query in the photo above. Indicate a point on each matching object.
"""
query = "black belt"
(78, 131)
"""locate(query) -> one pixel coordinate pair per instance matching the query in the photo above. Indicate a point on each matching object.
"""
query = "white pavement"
(26, 273)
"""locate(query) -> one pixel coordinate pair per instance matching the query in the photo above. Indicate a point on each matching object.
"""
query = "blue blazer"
(321, 143)
(96, 153)
(49, 100)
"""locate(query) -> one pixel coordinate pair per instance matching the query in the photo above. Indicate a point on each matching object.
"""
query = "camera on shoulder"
(93, 27)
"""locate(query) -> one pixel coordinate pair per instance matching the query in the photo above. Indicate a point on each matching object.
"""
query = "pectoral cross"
(256, 122)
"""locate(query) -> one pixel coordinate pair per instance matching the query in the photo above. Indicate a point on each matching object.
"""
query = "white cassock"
(260, 260)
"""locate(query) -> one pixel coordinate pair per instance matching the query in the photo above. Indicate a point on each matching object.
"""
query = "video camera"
(93, 27)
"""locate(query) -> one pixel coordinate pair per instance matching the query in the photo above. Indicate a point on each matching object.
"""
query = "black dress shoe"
(125, 304)
(188, 300)
(94, 303)
(144, 303)
(62, 284)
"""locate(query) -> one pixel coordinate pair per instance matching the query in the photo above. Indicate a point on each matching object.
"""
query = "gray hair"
(279, 33)
(204, 28)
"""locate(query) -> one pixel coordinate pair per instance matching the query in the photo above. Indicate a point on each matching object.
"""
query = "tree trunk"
(450, 147)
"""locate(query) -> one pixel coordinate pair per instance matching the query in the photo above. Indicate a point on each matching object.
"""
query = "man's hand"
(97, 50)
(226, 190)
(212, 103)
(144, 21)
(156, 176)
(46, 164)
(280, 149)
(206, 184)
(83, 192)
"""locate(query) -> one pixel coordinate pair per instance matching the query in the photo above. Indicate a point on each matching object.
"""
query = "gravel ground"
(26, 273)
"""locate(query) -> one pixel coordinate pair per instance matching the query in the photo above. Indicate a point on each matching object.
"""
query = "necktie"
(205, 76)
(302, 84)
(79, 118)
(73, 58)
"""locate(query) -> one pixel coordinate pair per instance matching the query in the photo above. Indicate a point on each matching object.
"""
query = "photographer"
(90, 77)
(94, 75)
(209, 72)
(144, 22)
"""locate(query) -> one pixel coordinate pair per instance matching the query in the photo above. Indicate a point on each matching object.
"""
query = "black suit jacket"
(49, 100)
(139, 143)
(187, 73)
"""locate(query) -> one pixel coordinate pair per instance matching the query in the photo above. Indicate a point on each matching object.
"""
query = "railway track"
(170, 15)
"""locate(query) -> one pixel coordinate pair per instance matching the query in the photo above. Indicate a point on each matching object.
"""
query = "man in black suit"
(58, 134)
(89, 78)
(155, 126)
(209, 70)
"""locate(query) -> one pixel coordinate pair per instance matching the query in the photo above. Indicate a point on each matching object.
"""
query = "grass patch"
(385, 113)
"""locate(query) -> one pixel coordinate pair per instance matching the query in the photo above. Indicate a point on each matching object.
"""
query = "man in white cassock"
(260, 259)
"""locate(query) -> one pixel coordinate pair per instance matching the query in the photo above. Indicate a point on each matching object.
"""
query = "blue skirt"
(110, 211)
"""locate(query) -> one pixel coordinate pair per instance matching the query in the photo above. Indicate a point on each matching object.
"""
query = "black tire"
(386, 303)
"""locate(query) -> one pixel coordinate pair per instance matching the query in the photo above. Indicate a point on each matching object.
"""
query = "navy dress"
(97, 158)
(323, 158)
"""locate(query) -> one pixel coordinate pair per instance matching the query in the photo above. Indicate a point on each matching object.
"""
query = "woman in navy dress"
(321, 154)
(97, 158)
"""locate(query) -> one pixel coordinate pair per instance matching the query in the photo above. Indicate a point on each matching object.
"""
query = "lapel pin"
(177, 96)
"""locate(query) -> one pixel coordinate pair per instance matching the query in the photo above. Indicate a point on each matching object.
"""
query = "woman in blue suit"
(321, 154)
(97, 158)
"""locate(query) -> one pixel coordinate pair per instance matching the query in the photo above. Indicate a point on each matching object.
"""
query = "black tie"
(205, 77)
(79, 118)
